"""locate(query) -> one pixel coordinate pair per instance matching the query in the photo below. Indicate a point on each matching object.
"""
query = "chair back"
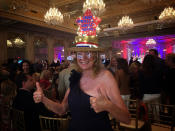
(134, 110)
(162, 115)
(54, 124)
(18, 121)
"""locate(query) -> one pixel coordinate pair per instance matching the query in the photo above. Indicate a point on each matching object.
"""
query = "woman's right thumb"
(38, 88)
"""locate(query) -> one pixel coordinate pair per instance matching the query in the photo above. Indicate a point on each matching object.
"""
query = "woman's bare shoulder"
(105, 75)
(109, 83)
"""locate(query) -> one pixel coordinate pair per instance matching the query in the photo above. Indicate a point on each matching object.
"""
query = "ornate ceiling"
(16, 12)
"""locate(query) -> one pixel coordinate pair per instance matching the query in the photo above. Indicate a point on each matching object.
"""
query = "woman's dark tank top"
(83, 116)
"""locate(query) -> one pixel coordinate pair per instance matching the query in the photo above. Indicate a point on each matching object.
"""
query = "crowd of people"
(143, 80)
(91, 87)
(17, 82)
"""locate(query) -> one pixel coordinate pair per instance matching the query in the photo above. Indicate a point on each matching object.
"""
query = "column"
(29, 51)
(50, 42)
(3, 47)
(66, 44)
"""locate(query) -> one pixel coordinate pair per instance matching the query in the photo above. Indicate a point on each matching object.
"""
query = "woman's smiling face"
(85, 60)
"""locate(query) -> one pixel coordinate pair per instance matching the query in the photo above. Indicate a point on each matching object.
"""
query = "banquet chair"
(53, 123)
(135, 124)
(161, 116)
(114, 123)
(18, 121)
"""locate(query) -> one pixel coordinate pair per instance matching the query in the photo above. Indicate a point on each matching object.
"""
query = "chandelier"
(9, 43)
(53, 16)
(125, 23)
(18, 42)
(150, 42)
(167, 15)
(97, 7)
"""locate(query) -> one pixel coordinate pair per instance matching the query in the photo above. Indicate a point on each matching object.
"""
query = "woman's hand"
(38, 94)
(99, 103)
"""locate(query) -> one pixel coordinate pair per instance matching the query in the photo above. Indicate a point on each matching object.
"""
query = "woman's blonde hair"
(44, 74)
(134, 66)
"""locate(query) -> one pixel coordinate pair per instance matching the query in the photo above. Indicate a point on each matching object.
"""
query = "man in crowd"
(24, 101)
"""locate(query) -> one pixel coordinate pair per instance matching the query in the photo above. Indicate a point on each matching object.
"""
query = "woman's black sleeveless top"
(83, 116)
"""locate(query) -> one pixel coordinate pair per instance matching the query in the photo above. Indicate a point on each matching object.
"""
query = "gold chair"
(161, 117)
(18, 121)
(114, 123)
(136, 124)
(54, 124)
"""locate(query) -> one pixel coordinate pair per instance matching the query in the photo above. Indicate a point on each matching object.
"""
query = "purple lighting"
(58, 53)
(137, 47)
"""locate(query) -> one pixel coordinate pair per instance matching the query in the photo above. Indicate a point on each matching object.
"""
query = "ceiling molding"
(33, 14)
(65, 2)
(37, 22)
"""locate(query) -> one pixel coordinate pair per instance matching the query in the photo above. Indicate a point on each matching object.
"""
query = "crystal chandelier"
(18, 42)
(9, 43)
(53, 16)
(150, 42)
(125, 23)
(167, 15)
(97, 7)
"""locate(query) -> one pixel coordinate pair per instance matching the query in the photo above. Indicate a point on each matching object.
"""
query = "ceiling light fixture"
(97, 7)
(151, 42)
(125, 23)
(53, 16)
(18, 42)
(167, 15)
(9, 43)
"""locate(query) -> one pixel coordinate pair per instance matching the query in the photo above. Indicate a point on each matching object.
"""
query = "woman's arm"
(109, 99)
(118, 113)
(58, 108)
